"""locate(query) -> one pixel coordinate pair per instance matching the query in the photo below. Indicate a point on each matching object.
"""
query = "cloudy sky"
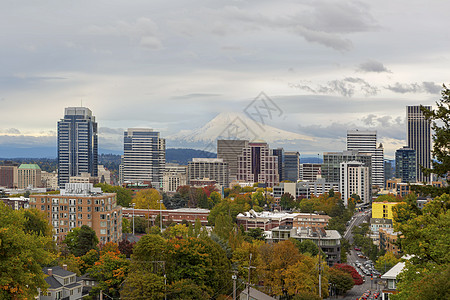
(174, 65)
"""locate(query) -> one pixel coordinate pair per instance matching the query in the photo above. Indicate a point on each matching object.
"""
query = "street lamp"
(133, 205)
(160, 214)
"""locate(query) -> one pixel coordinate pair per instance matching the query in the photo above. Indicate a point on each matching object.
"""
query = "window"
(102, 224)
(102, 231)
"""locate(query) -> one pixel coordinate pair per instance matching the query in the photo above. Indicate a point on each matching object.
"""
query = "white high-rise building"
(354, 179)
(144, 156)
(174, 176)
(366, 142)
(212, 168)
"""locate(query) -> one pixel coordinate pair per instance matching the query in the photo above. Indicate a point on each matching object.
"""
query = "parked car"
(357, 249)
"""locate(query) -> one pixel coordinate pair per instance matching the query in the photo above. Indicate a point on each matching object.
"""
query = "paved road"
(358, 290)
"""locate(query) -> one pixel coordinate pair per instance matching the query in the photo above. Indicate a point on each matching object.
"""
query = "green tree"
(148, 199)
(386, 262)
(81, 239)
(340, 281)
(306, 246)
(22, 254)
(127, 226)
(223, 226)
(440, 124)
(186, 289)
(255, 234)
(143, 285)
(140, 224)
(124, 196)
(287, 201)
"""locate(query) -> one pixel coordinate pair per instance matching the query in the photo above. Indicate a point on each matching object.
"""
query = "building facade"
(419, 139)
(81, 204)
(355, 180)
(229, 150)
(405, 164)
(291, 167)
(310, 171)
(213, 168)
(257, 164)
(174, 176)
(144, 156)
(279, 153)
(331, 167)
(77, 144)
(49, 180)
(9, 175)
(366, 142)
(305, 189)
(383, 210)
(29, 175)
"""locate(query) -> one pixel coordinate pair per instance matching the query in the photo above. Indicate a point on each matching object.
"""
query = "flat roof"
(394, 271)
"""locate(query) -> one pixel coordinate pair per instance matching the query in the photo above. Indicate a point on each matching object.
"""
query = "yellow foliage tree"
(148, 199)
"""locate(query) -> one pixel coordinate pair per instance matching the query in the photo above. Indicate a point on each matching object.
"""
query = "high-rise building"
(279, 153)
(174, 176)
(77, 144)
(354, 180)
(389, 171)
(257, 164)
(81, 204)
(29, 175)
(144, 156)
(229, 150)
(419, 139)
(212, 168)
(9, 174)
(310, 171)
(366, 142)
(291, 166)
(405, 164)
(332, 163)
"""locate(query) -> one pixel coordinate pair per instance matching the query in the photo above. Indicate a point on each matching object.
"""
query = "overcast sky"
(172, 65)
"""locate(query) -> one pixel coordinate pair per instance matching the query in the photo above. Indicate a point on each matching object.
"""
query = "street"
(372, 285)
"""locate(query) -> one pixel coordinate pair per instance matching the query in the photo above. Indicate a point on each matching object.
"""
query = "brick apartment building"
(82, 204)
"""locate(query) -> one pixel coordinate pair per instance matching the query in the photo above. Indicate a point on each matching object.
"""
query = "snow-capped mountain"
(234, 126)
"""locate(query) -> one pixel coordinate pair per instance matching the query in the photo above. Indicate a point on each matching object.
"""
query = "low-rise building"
(50, 180)
(29, 175)
(388, 240)
(17, 203)
(62, 284)
(305, 189)
(174, 176)
(383, 210)
(82, 204)
(174, 215)
(269, 220)
(328, 240)
(391, 280)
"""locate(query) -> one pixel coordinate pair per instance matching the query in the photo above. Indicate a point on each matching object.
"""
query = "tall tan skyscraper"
(29, 175)
(229, 150)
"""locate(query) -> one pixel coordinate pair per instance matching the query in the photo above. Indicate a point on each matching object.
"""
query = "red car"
(357, 249)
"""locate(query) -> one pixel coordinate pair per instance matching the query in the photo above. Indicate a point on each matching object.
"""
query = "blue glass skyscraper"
(77, 144)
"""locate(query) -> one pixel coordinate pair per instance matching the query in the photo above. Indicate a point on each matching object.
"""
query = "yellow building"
(383, 210)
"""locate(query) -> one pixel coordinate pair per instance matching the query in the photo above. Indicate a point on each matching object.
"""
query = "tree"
(357, 279)
(109, 272)
(306, 246)
(287, 201)
(148, 199)
(124, 196)
(36, 222)
(140, 224)
(143, 285)
(440, 124)
(22, 254)
(186, 289)
(81, 239)
(224, 225)
(126, 247)
(340, 281)
(88, 260)
(126, 226)
(176, 231)
(386, 262)
(256, 234)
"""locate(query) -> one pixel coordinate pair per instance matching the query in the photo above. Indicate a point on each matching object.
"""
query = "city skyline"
(329, 66)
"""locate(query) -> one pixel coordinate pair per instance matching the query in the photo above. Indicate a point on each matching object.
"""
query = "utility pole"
(160, 215)
(249, 270)
(133, 205)
(234, 277)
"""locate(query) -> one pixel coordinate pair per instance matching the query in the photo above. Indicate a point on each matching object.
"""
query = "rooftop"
(394, 271)
(29, 166)
(58, 271)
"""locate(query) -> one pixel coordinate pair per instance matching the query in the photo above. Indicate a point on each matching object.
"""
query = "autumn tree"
(357, 279)
(22, 254)
(109, 271)
(148, 199)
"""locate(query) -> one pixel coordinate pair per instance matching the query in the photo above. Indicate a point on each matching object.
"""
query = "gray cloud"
(373, 66)
(424, 87)
(107, 130)
(345, 87)
(10, 131)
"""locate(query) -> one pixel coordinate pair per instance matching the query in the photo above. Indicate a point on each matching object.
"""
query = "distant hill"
(183, 156)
